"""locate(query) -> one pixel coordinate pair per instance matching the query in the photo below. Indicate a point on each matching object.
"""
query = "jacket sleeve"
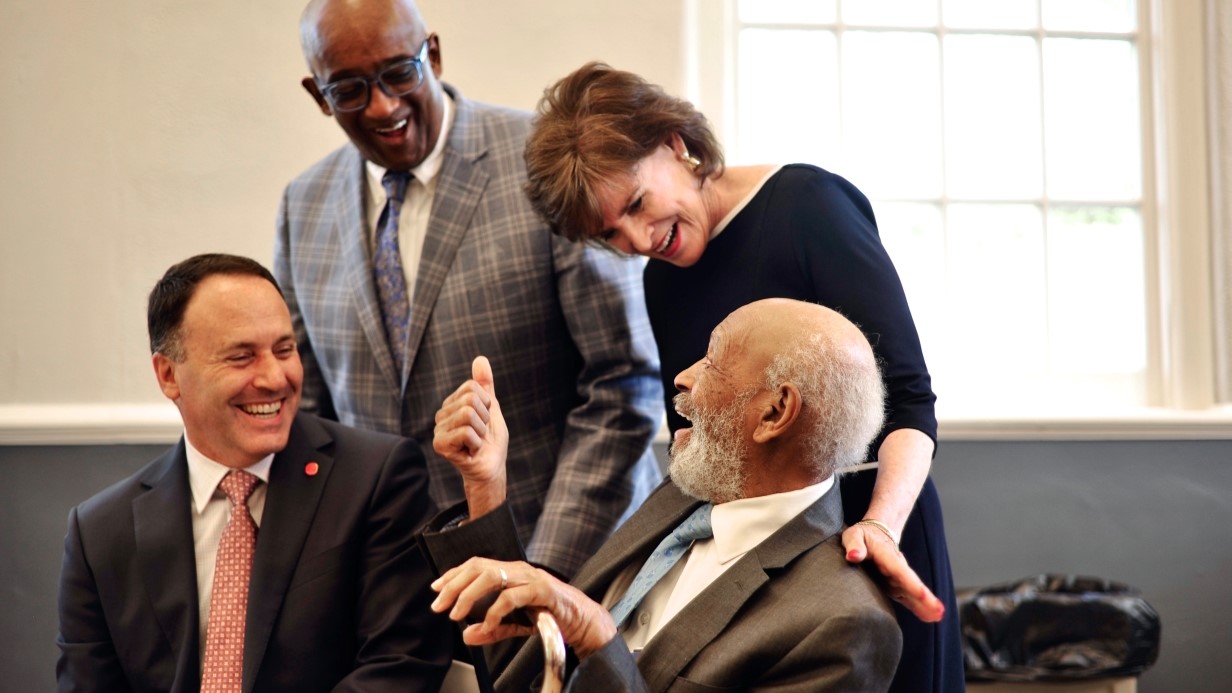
(612, 668)
(314, 395)
(446, 544)
(401, 644)
(605, 467)
(88, 659)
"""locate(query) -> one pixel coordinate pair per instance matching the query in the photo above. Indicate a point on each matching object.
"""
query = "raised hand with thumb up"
(471, 433)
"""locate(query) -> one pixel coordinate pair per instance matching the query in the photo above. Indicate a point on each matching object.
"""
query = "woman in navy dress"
(616, 161)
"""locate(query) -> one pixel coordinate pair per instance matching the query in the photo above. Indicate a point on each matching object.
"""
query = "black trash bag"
(1057, 628)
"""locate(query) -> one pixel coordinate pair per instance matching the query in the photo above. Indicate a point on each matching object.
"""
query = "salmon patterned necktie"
(223, 670)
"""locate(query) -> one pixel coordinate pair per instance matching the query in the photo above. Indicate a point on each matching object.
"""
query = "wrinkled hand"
(585, 625)
(471, 433)
(905, 587)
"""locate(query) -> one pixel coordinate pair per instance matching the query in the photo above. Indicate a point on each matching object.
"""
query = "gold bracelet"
(881, 526)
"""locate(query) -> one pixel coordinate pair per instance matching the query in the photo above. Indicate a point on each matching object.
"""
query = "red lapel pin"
(312, 468)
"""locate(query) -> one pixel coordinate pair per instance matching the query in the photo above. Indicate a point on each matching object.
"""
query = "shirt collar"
(431, 165)
(740, 525)
(204, 474)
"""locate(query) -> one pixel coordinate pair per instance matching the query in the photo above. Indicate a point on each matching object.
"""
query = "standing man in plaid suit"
(396, 282)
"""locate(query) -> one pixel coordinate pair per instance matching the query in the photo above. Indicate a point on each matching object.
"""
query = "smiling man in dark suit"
(760, 595)
(268, 550)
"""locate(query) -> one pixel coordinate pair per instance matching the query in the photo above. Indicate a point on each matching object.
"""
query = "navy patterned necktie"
(387, 269)
(666, 554)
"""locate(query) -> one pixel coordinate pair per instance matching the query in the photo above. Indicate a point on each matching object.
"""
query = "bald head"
(326, 21)
(771, 325)
(830, 362)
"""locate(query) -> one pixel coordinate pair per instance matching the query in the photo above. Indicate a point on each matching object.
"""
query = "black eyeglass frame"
(328, 90)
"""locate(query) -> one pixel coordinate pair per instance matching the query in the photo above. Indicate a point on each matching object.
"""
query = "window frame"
(1186, 158)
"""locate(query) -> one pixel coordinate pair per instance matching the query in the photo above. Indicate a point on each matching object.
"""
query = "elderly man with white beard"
(759, 594)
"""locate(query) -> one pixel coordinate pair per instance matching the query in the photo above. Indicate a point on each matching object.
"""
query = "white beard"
(709, 465)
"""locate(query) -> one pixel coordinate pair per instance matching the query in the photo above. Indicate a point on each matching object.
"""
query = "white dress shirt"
(211, 512)
(417, 207)
(739, 526)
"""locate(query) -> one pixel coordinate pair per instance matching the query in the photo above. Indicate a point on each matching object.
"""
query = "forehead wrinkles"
(613, 194)
(740, 344)
(352, 52)
(727, 346)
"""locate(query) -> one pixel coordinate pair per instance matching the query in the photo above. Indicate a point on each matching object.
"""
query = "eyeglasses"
(399, 79)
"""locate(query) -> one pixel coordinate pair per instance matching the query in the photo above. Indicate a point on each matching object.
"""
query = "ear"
(164, 370)
(434, 55)
(778, 414)
(676, 143)
(310, 86)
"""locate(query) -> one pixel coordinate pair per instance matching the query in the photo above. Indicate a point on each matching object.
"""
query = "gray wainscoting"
(1156, 515)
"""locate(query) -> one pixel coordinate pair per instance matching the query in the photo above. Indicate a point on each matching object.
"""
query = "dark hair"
(170, 296)
(594, 126)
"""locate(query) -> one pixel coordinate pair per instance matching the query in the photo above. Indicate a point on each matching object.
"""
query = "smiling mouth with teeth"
(262, 410)
(392, 130)
(669, 239)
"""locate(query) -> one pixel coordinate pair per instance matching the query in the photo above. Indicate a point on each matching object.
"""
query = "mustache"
(684, 406)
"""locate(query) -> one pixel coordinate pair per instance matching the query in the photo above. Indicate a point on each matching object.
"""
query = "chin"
(269, 445)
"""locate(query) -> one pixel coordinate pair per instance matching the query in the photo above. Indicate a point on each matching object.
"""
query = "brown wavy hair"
(594, 126)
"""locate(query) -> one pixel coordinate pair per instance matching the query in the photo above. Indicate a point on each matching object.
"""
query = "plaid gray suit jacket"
(565, 326)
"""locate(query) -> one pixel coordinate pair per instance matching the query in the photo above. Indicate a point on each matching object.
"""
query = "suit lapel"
(459, 188)
(351, 224)
(290, 506)
(662, 512)
(710, 613)
(162, 528)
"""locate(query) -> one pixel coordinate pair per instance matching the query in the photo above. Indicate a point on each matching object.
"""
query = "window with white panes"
(1003, 147)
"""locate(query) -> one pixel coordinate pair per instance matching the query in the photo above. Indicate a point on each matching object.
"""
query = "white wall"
(138, 132)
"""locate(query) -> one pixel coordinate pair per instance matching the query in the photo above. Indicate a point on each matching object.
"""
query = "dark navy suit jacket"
(339, 593)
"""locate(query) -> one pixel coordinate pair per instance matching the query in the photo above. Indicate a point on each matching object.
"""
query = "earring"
(689, 159)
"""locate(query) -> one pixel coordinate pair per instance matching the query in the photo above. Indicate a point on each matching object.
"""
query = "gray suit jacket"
(565, 326)
(790, 615)
(339, 594)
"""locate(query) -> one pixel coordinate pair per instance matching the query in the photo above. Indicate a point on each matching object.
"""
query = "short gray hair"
(843, 398)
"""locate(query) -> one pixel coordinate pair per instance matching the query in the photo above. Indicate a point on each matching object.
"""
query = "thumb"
(481, 372)
(853, 541)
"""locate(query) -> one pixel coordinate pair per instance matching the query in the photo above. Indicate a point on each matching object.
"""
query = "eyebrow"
(246, 344)
(624, 210)
(351, 73)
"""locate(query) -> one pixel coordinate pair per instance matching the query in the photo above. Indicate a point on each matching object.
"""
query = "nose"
(684, 379)
(643, 242)
(270, 375)
(635, 238)
(380, 104)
